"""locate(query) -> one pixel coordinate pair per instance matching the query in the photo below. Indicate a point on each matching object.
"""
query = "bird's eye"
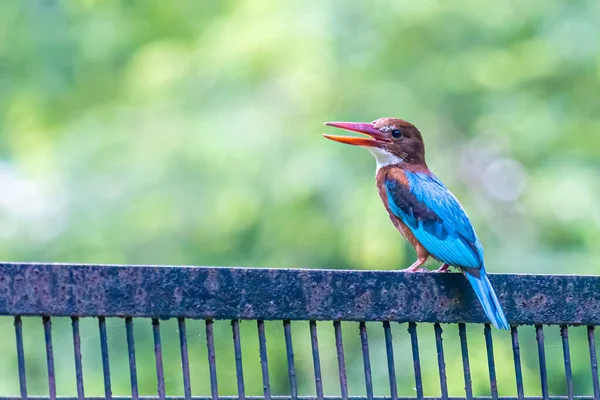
(396, 133)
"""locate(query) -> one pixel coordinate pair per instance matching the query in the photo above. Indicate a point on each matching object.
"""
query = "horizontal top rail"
(288, 294)
(305, 398)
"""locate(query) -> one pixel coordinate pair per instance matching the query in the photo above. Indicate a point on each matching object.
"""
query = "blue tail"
(485, 293)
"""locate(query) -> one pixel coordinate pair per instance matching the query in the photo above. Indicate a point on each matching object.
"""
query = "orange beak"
(377, 139)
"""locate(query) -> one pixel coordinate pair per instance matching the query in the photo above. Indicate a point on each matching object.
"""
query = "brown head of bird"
(391, 140)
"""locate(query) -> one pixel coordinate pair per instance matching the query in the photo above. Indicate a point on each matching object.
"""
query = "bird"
(421, 207)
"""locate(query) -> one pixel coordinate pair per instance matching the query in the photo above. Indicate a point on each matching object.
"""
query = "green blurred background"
(189, 132)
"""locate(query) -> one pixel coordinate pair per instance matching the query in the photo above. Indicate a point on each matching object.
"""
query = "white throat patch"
(383, 157)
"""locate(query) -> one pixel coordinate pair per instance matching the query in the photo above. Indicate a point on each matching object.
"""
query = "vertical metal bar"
(564, 334)
(339, 347)
(49, 357)
(160, 374)
(517, 359)
(237, 348)
(441, 363)
(489, 346)
(412, 329)
(21, 357)
(364, 340)
(185, 362)
(289, 349)
(105, 362)
(264, 362)
(131, 351)
(314, 341)
(212, 360)
(78, 363)
(539, 335)
(389, 348)
(593, 361)
(462, 333)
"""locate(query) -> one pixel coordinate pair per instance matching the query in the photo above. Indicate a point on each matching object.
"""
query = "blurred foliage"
(188, 132)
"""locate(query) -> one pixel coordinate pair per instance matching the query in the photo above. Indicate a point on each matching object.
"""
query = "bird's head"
(392, 140)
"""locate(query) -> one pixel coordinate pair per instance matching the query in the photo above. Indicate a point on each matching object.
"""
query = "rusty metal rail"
(218, 293)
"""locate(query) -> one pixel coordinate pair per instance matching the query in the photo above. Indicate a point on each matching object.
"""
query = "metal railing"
(51, 291)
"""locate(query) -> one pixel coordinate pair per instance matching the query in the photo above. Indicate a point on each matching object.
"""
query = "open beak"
(376, 139)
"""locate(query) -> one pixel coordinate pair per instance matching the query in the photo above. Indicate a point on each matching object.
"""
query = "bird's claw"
(414, 270)
(443, 269)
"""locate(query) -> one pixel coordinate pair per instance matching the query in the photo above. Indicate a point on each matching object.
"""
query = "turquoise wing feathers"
(436, 218)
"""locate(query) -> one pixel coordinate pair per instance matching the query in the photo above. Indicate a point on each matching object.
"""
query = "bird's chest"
(398, 223)
(401, 226)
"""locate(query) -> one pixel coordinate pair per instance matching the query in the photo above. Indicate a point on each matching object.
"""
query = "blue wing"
(436, 218)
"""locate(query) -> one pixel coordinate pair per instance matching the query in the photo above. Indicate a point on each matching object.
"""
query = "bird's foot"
(444, 268)
(416, 267)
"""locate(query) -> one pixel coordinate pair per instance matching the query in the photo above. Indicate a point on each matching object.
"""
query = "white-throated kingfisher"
(424, 211)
